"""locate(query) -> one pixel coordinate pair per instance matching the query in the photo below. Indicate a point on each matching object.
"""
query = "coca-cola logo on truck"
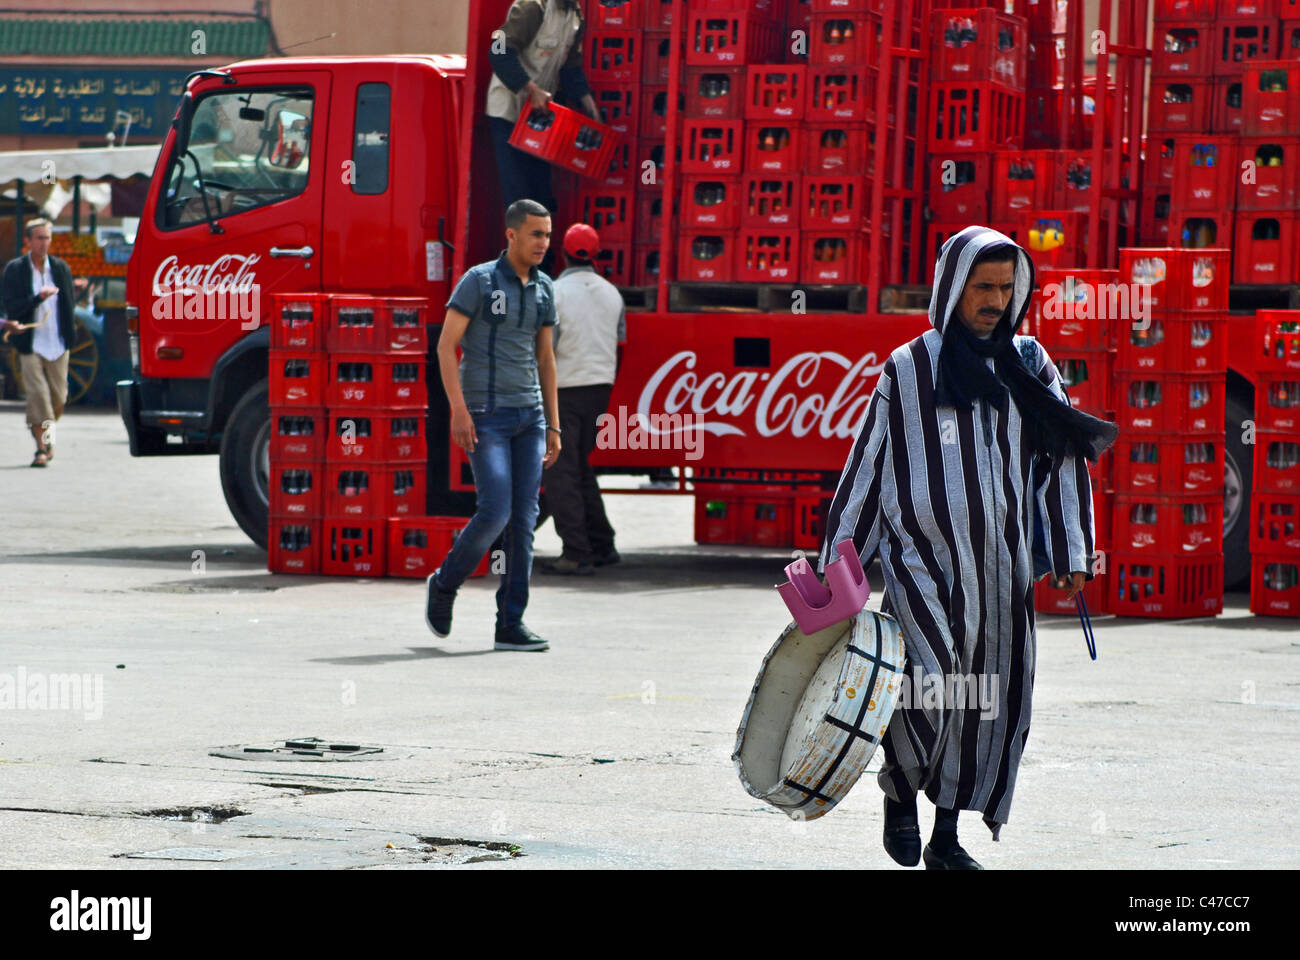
(768, 404)
(225, 289)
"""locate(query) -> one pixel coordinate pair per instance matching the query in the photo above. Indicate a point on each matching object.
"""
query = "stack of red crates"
(977, 116)
(761, 509)
(1275, 496)
(1267, 250)
(348, 407)
(1073, 317)
(1169, 395)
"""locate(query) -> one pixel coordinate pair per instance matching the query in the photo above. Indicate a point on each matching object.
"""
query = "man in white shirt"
(38, 294)
(591, 324)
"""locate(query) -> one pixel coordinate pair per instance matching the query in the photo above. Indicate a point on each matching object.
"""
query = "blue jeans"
(507, 465)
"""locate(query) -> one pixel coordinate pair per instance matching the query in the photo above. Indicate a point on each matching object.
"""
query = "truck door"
(235, 218)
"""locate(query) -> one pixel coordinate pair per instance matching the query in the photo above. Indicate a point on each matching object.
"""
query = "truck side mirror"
(184, 118)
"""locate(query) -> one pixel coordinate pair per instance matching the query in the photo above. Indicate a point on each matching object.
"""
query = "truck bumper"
(154, 433)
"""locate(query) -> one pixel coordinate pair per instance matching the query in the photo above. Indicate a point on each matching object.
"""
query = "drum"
(818, 710)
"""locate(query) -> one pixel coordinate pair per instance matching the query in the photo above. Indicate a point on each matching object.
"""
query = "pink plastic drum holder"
(815, 606)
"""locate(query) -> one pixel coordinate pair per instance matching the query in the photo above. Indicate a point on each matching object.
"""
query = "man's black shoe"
(519, 637)
(568, 567)
(954, 858)
(608, 560)
(902, 838)
(437, 607)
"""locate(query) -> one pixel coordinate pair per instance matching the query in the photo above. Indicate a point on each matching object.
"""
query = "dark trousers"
(523, 176)
(572, 494)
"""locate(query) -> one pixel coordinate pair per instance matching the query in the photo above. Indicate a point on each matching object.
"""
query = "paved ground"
(1177, 749)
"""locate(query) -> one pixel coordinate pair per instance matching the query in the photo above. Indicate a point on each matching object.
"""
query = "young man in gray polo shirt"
(500, 316)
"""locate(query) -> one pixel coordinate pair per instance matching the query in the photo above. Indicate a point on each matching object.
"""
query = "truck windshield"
(246, 150)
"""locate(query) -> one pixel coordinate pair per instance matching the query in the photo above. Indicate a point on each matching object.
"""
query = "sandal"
(40, 460)
(49, 453)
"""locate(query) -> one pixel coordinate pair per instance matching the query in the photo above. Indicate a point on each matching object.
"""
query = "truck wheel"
(246, 462)
(1238, 471)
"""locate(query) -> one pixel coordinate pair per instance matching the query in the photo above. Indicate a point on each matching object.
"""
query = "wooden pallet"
(766, 298)
(639, 299)
(1264, 296)
(899, 298)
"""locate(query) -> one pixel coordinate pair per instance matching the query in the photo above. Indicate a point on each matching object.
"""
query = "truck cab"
(279, 176)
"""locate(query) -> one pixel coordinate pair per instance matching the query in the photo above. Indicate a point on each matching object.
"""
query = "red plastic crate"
(295, 489)
(769, 200)
(1072, 181)
(653, 114)
(1240, 42)
(835, 149)
(770, 9)
(406, 322)
(844, 6)
(775, 92)
(1247, 9)
(624, 167)
(718, 513)
(1168, 587)
(1165, 464)
(1182, 526)
(707, 256)
(772, 146)
(656, 56)
(767, 521)
(767, 255)
(1042, 114)
(417, 546)
(1183, 48)
(1180, 104)
(1205, 172)
(1275, 584)
(368, 435)
(352, 547)
(976, 116)
(544, 134)
(1275, 523)
(614, 262)
(590, 148)
(730, 37)
(293, 545)
(1226, 112)
(1170, 403)
(832, 257)
(960, 184)
(1055, 238)
(1289, 39)
(1047, 599)
(1045, 65)
(715, 92)
(1179, 279)
(1266, 247)
(1078, 309)
(645, 264)
(1185, 9)
(619, 105)
(611, 212)
(969, 46)
(834, 203)
(1158, 162)
(1174, 343)
(297, 434)
(1277, 402)
(711, 203)
(650, 213)
(1022, 181)
(376, 380)
(298, 320)
(1153, 226)
(1086, 376)
(1277, 341)
(297, 378)
(613, 56)
(360, 324)
(369, 490)
(1270, 98)
(1048, 16)
(657, 14)
(614, 14)
(835, 39)
(1200, 229)
(713, 146)
(1276, 161)
(840, 94)
(1277, 462)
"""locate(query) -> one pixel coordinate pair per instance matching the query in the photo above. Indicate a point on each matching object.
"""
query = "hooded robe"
(946, 497)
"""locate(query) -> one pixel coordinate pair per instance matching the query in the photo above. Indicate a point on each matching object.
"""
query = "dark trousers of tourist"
(572, 494)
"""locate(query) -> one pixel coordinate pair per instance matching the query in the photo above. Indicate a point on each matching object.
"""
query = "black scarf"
(1053, 428)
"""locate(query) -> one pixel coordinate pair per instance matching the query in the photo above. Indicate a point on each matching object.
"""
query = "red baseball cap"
(582, 241)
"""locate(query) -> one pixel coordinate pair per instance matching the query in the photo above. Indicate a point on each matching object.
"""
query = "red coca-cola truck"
(375, 176)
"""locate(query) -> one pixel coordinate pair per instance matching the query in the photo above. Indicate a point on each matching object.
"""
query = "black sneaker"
(568, 567)
(519, 637)
(437, 607)
(608, 560)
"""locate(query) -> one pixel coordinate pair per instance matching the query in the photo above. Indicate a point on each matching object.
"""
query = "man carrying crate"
(535, 53)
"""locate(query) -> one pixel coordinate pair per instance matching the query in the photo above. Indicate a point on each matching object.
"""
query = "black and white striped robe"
(944, 495)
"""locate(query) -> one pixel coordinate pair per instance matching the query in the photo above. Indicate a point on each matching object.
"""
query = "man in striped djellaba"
(968, 445)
